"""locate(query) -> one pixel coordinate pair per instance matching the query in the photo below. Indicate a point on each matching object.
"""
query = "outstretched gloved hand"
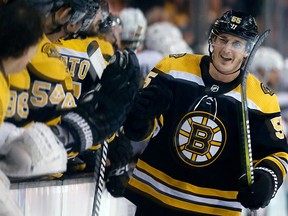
(150, 102)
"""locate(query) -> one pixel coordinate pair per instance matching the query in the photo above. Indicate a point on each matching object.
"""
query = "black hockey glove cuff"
(84, 135)
(95, 119)
(116, 180)
(119, 152)
(84, 129)
(263, 189)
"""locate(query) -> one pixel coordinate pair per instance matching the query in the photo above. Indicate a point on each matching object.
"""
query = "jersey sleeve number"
(149, 77)
(277, 125)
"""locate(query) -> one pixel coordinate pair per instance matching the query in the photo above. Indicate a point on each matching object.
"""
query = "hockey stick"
(96, 70)
(246, 149)
(100, 162)
(99, 172)
(96, 59)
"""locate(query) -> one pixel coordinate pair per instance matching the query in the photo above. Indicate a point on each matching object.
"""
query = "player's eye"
(238, 45)
(222, 40)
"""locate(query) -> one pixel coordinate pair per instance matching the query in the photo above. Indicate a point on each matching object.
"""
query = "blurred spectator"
(267, 66)
(134, 25)
(157, 14)
(170, 36)
(178, 10)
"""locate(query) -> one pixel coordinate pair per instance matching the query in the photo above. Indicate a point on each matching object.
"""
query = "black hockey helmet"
(94, 7)
(110, 21)
(236, 23)
(80, 8)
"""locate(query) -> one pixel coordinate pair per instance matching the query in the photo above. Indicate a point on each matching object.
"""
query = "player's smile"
(226, 59)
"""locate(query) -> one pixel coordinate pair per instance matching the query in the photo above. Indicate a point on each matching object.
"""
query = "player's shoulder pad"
(188, 63)
(48, 63)
(261, 95)
(77, 44)
(177, 55)
(20, 81)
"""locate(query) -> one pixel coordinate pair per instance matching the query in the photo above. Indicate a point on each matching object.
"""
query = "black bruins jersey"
(41, 90)
(191, 166)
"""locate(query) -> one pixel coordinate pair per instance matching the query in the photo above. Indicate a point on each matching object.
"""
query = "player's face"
(94, 27)
(228, 52)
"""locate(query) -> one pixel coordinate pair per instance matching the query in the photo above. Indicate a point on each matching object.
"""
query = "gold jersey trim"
(183, 195)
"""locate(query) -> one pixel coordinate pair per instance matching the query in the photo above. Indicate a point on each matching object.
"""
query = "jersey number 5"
(277, 125)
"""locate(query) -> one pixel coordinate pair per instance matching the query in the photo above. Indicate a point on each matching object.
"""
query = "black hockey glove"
(119, 152)
(122, 67)
(261, 191)
(116, 182)
(149, 103)
(90, 156)
(152, 101)
(101, 111)
(116, 175)
(121, 79)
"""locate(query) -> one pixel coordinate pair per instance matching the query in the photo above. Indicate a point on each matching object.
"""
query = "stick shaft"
(247, 161)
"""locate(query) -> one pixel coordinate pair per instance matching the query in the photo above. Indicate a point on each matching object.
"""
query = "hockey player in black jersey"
(189, 108)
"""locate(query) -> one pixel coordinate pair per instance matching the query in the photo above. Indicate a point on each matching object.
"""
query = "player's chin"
(223, 66)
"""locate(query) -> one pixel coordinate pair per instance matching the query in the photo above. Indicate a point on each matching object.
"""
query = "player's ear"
(246, 54)
(63, 15)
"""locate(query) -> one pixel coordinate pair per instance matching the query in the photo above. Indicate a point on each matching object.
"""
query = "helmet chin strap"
(221, 72)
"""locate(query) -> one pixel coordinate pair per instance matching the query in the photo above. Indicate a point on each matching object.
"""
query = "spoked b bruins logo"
(199, 138)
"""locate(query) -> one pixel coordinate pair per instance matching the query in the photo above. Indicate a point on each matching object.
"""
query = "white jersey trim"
(194, 78)
(70, 52)
(187, 76)
(164, 189)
